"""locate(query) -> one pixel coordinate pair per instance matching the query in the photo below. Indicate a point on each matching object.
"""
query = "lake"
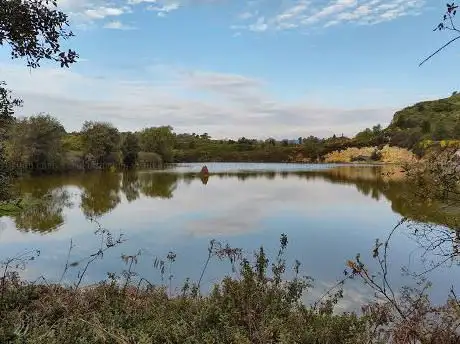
(329, 213)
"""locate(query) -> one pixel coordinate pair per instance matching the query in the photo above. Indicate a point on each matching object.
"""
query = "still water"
(329, 213)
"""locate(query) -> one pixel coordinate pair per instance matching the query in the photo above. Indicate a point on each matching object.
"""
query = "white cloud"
(118, 25)
(102, 12)
(308, 13)
(256, 15)
(245, 15)
(85, 13)
(259, 26)
(163, 10)
(135, 2)
(222, 104)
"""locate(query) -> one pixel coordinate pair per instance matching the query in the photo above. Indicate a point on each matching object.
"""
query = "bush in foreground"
(255, 306)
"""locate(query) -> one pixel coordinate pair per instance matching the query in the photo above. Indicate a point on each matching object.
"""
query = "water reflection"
(101, 192)
(329, 215)
(130, 186)
(44, 214)
(161, 185)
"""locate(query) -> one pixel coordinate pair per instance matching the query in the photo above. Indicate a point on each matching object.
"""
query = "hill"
(429, 120)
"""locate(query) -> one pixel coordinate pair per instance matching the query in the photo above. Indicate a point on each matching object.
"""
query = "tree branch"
(437, 51)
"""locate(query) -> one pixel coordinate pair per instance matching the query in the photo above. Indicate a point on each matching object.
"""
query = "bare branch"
(439, 50)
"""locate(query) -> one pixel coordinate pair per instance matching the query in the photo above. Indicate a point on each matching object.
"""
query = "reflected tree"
(101, 193)
(130, 185)
(44, 214)
(188, 178)
(160, 185)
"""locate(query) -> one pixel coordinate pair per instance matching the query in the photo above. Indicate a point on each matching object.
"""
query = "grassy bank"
(260, 302)
(249, 310)
(256, 304)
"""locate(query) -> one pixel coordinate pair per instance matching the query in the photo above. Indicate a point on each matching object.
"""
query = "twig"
(67, 262)
(437, 51)
(210, 253)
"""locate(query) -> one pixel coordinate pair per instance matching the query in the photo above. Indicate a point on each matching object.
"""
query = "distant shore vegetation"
(41, 144)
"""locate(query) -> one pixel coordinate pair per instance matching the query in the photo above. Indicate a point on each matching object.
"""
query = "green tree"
(426, 127)
(130, 149)
(100, 140)
(406, 138)
(440, 132)
(37, 142)
(7, 105)
(365, 137)
(377, 129)
(313, 148)
(73, 142)
(456, 130)
(32, 30)
(160, 140)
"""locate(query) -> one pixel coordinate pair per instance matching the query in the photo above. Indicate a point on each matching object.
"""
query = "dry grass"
(349, 154)
(396, 155)
(389, 155)
(257, 306)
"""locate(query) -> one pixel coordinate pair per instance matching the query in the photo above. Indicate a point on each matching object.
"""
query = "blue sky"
(250, 68)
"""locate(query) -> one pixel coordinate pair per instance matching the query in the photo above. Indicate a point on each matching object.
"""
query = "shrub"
(254, 307)
(149, 159)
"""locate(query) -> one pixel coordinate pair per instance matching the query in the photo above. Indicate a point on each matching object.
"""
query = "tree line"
(40, 143)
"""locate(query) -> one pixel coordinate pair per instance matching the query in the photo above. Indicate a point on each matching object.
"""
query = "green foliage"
(130, 149)
(149, 160)
(408, 138)
(36, 142)
(426, 127)
(7, 105)
(73, 142)
(159, 140)
(313, 148)
(441, 132)
(435, 120)
(34, 30)
(100, 140)
(364, 136)
(98, 144)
